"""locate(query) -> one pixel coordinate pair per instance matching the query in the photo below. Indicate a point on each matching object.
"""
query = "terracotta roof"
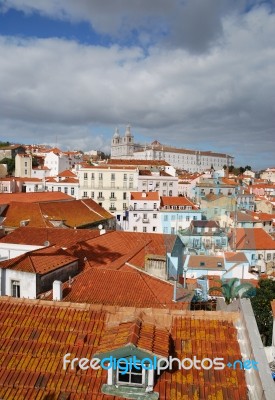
(111, 287)
(153, 196)
(67, 174)
(252, 239)
(37, 197)
(74, 213)
(137, 162)
(204, 224)
(176, 201)
(39, 261)
(205, 262)
(235, 257)
(273, 308)
(55, 236)
(115, 248)
(136, 333)
(35, 335)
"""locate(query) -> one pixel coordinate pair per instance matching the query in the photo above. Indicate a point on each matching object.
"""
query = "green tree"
(10, 164)
(4, 144)
(232, 289)
(261, 305)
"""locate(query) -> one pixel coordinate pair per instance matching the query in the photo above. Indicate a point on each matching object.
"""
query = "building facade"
(185, 159)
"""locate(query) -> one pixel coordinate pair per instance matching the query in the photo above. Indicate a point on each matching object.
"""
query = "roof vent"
(57, 290)
(46, 243)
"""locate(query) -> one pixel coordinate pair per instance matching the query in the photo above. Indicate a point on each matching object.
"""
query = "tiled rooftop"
(40, 261)
(252, 239)
(111, 286)
(145, 196)
(55, 236)
(73, 213)
(142, 335)
(35, 335)
(176, 201)
(36, 197)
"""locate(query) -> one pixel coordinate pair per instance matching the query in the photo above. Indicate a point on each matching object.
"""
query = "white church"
(124, 147)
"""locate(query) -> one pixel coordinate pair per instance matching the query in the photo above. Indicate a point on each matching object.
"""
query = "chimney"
(143, 194)
(57, 290)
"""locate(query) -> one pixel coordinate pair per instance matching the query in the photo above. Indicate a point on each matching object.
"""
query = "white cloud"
(223, 98)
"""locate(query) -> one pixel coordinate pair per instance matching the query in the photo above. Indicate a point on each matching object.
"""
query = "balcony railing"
(100, 198)
(112, 208)
(145, 220)
(112, 198)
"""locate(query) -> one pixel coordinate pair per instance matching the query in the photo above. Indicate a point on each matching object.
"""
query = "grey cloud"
(190, 24)
(222, 100)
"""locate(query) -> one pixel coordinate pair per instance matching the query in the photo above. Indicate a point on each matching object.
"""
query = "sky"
(197, 74)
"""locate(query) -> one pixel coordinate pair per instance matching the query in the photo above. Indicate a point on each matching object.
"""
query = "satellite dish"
(100, 226)
(47, 243)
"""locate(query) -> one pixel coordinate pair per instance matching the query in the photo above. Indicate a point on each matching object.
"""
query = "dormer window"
(128, 378)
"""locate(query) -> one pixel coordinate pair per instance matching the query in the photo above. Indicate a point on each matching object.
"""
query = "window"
(15, 288)
(125, 177)
(26, 171)
(165, 229)
(135, 215)
(124, 205)
(112, 195)
(72, 191)
(145, 216)
(187, 218)
(131, 178)
(154, 228)
(154, 215)
(144, 229)
(124, 195)
(59, 188)
(135, 376)
(164, 184)
(172, 231)
(130, 185)
(66, 190)
(155, 206)
(85, 194)
(85, 175)
(92, 195)
(100, 176)
(113, 177)
(165, 218)
(134, 228)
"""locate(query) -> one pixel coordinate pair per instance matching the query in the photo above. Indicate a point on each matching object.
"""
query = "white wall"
(27, 283)
(10, 250)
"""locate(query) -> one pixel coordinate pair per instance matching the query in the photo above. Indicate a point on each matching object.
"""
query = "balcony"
(145, 220)
(100, 198)
(112, 198)
(112, 209)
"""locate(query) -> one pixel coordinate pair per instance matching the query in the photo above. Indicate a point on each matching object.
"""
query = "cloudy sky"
(192, 73)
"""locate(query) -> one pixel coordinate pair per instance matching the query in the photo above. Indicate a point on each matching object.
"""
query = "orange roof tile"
(73, 213)
(35, 335)
(176, 201)
(39, 261)
(37, 197)
(252, 239)
(108, 286)
(153, 196)
(55, 236)
(142, 335)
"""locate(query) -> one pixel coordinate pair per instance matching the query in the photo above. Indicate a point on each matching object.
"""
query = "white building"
(123, 147)
(152, 213)
(268, 174)
(109, 186)
(157, 181)
(58, 161)
(23, 165)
